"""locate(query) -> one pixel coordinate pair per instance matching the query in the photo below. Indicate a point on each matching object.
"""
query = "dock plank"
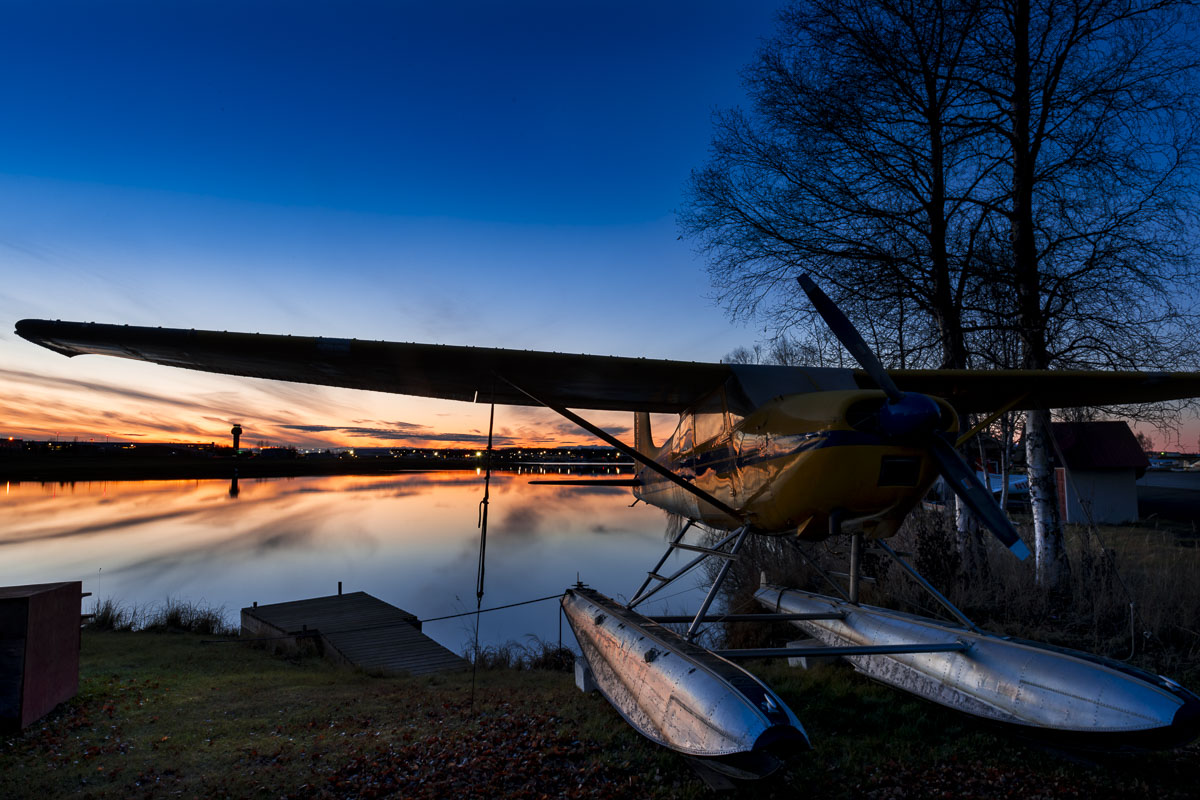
(363, 630)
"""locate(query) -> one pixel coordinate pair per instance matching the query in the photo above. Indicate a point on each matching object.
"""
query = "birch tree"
(857, 164)
(1091, 102)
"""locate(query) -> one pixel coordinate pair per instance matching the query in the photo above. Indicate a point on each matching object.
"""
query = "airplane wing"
(609, 383)
(426, 370)
(988, 390)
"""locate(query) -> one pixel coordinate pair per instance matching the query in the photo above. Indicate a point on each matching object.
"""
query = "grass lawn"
(164, 715)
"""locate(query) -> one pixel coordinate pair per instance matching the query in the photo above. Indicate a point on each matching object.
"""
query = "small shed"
(1103, 463)
(39, 650)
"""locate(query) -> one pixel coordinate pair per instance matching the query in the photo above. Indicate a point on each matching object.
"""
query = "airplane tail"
(643, 442)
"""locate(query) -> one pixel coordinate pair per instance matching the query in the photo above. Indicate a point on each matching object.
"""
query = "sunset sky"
(480, 173)
(477, 173)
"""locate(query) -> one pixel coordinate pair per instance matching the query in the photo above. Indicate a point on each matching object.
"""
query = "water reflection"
(410, 539)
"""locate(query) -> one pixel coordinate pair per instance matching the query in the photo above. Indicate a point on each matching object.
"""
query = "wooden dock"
(355, 629)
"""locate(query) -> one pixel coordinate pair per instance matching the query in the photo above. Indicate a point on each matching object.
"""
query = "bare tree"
(965, 175)
(858, 165)
(1092, 106)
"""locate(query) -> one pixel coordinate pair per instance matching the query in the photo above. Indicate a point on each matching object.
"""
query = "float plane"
(759, 450)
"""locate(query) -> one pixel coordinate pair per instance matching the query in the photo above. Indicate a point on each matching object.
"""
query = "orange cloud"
(47, 406)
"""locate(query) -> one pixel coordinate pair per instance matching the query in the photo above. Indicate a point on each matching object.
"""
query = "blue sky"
(475, 173)
(556, 113)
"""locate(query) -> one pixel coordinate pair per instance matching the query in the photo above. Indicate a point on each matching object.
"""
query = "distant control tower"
(237, 435)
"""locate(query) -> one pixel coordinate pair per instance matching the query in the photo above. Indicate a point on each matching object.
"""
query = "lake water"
(409, 539)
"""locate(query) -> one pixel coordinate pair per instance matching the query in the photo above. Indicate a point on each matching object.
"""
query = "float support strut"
(694, 628)
(856, 539)
(919, 578)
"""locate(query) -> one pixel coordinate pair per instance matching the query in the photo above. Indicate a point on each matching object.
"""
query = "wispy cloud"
(53, 406)
(60, 384)
(412, 435)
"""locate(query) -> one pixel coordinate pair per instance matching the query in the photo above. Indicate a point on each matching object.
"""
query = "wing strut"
(633, 453)
(989, 419)
(919, 578)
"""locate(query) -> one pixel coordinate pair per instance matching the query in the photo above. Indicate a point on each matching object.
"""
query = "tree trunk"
(964, 521)
(1006, 443)
(1043, 497)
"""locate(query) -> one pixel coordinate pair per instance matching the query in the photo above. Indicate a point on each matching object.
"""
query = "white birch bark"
(1043, 498)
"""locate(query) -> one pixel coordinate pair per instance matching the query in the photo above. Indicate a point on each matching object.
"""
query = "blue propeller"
(911, 415)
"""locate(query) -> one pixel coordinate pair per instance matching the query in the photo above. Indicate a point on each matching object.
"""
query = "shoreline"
(58, 469)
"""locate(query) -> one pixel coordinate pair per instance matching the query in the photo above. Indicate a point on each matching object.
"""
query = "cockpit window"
(681, 442)
(711, 418)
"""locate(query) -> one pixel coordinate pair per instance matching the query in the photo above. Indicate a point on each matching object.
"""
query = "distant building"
(1103, 463)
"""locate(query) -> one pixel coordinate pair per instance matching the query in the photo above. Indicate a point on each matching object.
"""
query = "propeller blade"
(850, 338)
(908, 418)
(963, 481)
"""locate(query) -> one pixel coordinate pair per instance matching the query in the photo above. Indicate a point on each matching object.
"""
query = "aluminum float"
(1066, 697)
(680, 695)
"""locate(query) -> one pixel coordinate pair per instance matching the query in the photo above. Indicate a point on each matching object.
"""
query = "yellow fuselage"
(792, 464)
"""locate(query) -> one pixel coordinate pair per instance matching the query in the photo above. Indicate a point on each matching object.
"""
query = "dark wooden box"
(39, 650)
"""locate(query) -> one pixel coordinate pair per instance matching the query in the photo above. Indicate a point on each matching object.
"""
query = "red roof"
(1099, 445)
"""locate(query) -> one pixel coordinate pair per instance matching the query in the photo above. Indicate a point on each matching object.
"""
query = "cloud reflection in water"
(410, 539)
